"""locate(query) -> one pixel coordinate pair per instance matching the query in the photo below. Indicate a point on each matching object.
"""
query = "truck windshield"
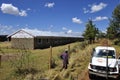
(103, 53)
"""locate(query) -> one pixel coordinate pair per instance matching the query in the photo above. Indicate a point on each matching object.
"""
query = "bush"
(83, 45)
(117, 42)
(23, 64)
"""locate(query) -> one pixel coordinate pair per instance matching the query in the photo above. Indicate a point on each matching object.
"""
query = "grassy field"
(34, 64)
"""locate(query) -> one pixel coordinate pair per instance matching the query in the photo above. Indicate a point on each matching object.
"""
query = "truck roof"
(105, 47)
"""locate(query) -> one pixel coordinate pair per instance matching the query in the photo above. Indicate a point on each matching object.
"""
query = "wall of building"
(45, 42)
(41, 42)
(22, 43)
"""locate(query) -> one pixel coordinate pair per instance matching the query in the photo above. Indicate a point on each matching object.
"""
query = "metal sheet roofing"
(37, 33)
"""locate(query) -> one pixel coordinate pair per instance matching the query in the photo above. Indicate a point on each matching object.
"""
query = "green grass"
(39, 60)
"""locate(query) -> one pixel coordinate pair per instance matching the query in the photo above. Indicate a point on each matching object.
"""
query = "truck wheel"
(91, 76)
(118, 78)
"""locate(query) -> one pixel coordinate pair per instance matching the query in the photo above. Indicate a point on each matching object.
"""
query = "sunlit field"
(19, 64)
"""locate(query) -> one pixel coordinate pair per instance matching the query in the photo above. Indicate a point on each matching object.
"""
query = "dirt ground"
(7, 57)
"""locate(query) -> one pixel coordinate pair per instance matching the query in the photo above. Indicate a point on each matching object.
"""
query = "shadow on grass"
(26, 71)
(103, 78)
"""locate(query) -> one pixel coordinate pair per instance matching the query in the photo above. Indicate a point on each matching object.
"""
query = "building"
(35, 39)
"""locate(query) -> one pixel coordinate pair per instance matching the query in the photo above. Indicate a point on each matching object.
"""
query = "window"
(39, 40)
(103, 53)
(47, 40)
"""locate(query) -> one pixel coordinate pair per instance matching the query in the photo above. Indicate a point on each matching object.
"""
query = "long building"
(35, 39)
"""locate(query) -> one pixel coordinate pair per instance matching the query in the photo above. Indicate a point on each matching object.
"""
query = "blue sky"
(54, 15)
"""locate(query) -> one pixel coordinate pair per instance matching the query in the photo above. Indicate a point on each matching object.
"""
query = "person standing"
(64, 57)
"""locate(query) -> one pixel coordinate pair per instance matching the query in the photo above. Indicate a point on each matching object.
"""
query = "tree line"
(113, 30)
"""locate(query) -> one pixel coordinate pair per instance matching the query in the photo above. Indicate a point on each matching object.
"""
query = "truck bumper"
(115, 76)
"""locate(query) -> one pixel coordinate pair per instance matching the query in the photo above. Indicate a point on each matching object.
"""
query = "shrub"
(83, 45)
(117, 42)
(23, 64)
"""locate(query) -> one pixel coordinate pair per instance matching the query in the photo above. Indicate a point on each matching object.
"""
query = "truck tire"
(91, 76)
(119, 71)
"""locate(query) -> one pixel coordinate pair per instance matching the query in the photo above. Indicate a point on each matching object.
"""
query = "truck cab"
(104, 62)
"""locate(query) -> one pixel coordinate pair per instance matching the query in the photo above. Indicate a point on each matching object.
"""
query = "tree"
(102, 34)
(91, 31)
(113, 31)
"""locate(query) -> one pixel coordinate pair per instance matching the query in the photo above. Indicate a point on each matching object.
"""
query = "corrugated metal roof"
(37, 33)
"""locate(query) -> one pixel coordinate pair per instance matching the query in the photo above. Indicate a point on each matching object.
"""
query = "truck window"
(103, 53)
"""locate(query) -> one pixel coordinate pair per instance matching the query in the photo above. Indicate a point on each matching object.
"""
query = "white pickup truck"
(104, 62)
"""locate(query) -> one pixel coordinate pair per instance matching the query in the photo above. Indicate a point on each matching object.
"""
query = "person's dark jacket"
(64, 56)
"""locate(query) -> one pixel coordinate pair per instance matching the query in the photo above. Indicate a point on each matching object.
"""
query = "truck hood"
(102, 62)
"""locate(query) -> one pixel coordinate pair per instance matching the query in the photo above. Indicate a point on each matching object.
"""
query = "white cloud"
(4, 29)
(99, 18)
(69, 31)
(76, 20)
(23, 13)
(50, 5)
(96, 8)
(85, 10)
(50, 27)
(10, 9)
(28, 9)
(64, 28)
